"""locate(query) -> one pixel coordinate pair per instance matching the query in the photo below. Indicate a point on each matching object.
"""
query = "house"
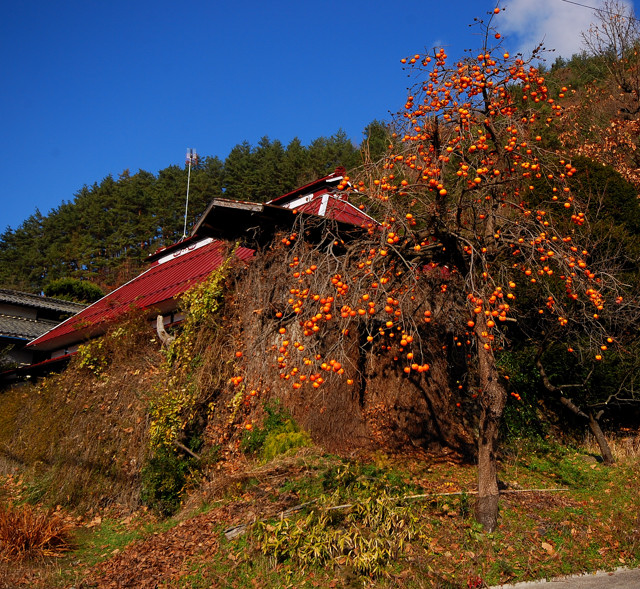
(225, 219)
(23, 318)
(176, 268)
(172, 271)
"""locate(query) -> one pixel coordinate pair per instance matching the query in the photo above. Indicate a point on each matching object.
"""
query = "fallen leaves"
(96, 521)
(546, 546)
(161, 557)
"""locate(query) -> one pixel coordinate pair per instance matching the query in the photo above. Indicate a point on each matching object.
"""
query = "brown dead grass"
(27, 533)
(79, 439)
(625, 445)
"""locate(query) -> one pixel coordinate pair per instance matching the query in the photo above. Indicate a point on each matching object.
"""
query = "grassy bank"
(378, 521)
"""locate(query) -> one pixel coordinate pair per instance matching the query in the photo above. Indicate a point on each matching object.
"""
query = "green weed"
(97, 544)
(278, 434)
(281, 442)
(366, 535)
(164, 479)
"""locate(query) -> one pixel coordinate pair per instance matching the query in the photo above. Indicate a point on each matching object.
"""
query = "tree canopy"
(72, 289)
(488, 232)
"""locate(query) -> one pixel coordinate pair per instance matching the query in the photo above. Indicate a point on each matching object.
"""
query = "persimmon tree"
(470, 210)
(614, 37)
(573, 372)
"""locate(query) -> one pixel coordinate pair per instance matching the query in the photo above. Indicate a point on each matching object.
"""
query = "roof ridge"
(10, 293)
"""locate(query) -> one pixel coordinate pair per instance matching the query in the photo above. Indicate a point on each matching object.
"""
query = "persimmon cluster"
(472, 208)
(370, 296)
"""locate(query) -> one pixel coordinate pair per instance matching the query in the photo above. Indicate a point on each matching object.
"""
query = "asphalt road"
(620, 579)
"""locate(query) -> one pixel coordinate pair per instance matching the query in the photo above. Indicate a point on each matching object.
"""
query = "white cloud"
(555, 23)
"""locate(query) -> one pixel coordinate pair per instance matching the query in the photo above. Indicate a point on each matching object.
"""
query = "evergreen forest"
(105, 232)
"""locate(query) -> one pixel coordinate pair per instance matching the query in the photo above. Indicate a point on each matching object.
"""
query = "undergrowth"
(176, 403)
(376, 522)
(165, 476)
(182, 404)
(315, 520)
(27, 533)
(366, 535)
(113, 427)
(278, 434)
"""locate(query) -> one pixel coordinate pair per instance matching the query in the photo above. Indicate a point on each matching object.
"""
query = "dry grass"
(625, 445)
(26, 533)
(79, 439)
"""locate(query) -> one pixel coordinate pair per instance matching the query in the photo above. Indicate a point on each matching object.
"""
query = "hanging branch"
(594, 426)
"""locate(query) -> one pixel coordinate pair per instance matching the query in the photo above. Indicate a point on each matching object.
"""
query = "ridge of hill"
(106, 231)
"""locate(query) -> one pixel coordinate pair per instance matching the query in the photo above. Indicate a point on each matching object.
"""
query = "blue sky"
(93, 88)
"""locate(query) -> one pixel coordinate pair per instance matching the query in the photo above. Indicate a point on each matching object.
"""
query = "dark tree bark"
(493, 400)
(594, 426)
(605, 450)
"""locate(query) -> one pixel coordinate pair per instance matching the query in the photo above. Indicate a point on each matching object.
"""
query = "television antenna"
(192, 159)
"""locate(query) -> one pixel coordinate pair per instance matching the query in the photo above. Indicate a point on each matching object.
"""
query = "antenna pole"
(192, 157)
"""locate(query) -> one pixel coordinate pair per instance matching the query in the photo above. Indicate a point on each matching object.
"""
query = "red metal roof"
(322, 184)
(328, 205)
(176, 268)
(168, 277)
(320, 198)
(37, 368)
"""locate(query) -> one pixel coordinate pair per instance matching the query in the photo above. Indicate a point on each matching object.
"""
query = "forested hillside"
(105, 232)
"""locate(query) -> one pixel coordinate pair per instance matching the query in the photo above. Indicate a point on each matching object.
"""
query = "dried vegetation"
(80, 438)
(27, 533)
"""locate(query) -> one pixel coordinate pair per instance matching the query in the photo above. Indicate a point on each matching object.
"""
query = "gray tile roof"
(26, 299)
(22, 328)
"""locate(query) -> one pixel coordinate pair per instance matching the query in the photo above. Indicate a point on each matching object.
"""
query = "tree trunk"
(594, 426)
(493, 399)
(165, 338)
(605, 450)
(487, 505)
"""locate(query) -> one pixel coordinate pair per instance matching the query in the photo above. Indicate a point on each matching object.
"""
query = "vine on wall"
(176, 406)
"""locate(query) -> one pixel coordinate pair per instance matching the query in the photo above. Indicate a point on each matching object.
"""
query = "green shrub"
(367, 535)
(92, 356)
(280, 442)
(279, 434)
(356, 479)
(164, 479)
(73, 289)
(521, 419)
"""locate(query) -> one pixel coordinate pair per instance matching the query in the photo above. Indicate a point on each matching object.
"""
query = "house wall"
(15, 353)
(63, 352)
